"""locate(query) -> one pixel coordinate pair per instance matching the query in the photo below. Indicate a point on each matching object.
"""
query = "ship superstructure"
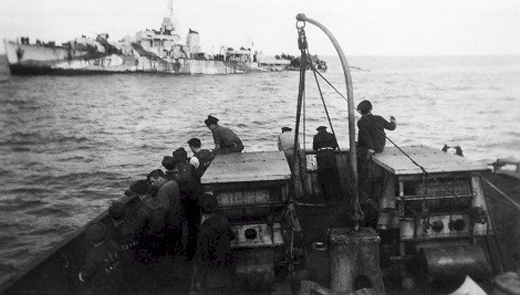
(149, 51)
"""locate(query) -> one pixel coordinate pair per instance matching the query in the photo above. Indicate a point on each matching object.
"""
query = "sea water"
(69, 145)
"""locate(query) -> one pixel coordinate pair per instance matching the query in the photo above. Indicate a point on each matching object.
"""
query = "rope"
(331, 220)
(395, 145)
(515, 204)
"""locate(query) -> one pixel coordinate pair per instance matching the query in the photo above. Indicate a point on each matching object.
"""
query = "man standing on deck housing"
(372, 136)
(226, 141)
(371, 140)
(324, 144)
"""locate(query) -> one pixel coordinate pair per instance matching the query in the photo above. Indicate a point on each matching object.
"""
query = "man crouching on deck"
(226, 141)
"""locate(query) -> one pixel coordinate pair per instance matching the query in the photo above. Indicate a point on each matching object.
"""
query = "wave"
(50, 211)
(38, 138)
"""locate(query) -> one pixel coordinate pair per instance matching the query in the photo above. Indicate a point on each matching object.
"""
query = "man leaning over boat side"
(190, 189)
(123, 233)
(201, 159)
(371, 140)
(226, 141)
(101, 273)
(157, 216)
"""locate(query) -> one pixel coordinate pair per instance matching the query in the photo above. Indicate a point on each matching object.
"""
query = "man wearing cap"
(324, 143)
(226, 141)
(286, 144)
(101, 273)
(372, 136)
(215, 267)
(371, 140)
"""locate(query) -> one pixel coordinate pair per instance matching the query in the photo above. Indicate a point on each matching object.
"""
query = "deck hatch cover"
(434, 161)
(247, 167)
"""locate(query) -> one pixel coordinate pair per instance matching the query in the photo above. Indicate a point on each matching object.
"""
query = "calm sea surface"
(71, 145)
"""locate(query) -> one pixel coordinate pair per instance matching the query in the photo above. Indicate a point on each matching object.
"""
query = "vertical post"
(350, 99)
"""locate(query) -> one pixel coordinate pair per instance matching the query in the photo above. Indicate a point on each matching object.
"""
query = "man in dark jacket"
(123, 233)
(371, 140)
(226, 141)
(190, 189)
(101, 273)
(372, 136)
(163, 202)
(215, 268)
(201, 158)
(325, 144)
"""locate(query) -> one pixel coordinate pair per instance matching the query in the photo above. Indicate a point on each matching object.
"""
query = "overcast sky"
(362, 27)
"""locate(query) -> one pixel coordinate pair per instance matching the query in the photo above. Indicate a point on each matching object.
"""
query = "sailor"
(226, 141)
(371, 140)
(215, 266)
(123, 233)
(189, 189)
(184, 171)
(201, 158)
(324, 143)
(158, 219)
(101, 273)
(286, 144)
(138, 188)
(169, 164)
(372, 136)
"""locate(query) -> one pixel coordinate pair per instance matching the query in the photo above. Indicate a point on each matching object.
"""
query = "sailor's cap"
(211, 120)
(321, 128)
(364, 106)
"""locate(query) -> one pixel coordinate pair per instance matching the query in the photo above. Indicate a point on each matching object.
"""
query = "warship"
(149, 51)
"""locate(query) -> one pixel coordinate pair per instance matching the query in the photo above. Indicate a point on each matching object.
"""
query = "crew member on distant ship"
(324, 143)
(226, 141)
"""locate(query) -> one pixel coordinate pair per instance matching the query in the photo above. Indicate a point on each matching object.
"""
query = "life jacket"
(205, 158)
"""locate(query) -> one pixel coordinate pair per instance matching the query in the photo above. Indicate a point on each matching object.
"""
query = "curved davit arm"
(350, 100)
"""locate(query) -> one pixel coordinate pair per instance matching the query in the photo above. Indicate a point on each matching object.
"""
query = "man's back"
(204, 158)
(372, 132)
(225, 137)
(324, 140)
(285, 141)
(214, 252)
